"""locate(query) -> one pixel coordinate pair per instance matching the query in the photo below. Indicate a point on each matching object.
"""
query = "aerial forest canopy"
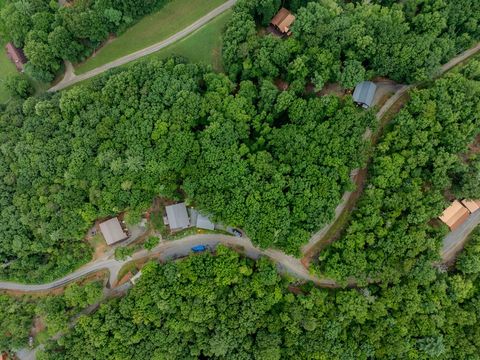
(275, 163)
(423, 156)
(50, 32)
(229, 307)
(335, 41)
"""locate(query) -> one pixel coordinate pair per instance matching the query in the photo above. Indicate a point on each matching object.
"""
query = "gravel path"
(318, 236)
(70, 78)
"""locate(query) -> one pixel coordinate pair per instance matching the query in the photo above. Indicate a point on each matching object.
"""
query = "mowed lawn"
(153, 28)
(202, 46)
(6, 66)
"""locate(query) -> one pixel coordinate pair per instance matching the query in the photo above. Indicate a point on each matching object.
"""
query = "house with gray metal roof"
(364, 93)
(112, 231)
(177, 217)
(201, 221)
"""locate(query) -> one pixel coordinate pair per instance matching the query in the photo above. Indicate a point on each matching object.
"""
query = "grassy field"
(154, 28)
(6, 66)
(202, 46)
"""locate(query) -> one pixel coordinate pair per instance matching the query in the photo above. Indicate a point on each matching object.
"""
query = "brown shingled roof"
(283, 20)
(471, 205)
(455, 215)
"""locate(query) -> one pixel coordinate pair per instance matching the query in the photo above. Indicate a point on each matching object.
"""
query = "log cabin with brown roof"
(16, 55)
(471, 205)
(283, 21)
(455, 215)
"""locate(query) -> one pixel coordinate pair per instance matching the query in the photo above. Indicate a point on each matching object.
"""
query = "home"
(471, 205)
(282, 21)
(16, 55)
(177, 217)
(112, 231)
(364, 94)
(455, 215)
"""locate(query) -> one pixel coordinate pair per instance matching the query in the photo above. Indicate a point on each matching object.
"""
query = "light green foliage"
(151, 242)
(50, 34)
(229, 307)
(413, 164)
(121, 253)
(275, 164)
(406, 42)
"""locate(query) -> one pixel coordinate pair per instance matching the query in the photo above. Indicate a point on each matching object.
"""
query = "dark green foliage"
(18, 86)
(17, 314)
(390, 231)
(228, 307)
(468, 262)
(51, 33)
(16, 318)
(274, 163)
(405, 42)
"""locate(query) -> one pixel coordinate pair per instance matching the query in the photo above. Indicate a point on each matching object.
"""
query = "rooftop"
(283, 20)
(177, 216)
(364, 93)
(112, 231)
(455, 215)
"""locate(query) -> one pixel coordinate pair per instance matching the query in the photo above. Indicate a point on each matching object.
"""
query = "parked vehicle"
(199, 248)
(237, 233)
(234, 232)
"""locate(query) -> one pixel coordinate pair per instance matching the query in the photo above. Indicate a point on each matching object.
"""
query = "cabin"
(471, 205)
(283, 21)
(177, 217)
(112, 231)
(364, 94)
(16, 55)
(455, 215)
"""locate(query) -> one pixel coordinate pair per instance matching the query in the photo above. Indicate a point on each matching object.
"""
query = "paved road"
(175, 249)
(71, 79)
(285, 263)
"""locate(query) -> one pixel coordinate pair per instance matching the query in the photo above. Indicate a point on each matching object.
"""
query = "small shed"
(112, 231)
(364, 93)
(177, 217)
(282, 21)
(455, 215)
(16, 55)
(201, 221)
(471, 205)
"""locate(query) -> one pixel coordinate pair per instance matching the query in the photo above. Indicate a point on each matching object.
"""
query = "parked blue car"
(199, 248)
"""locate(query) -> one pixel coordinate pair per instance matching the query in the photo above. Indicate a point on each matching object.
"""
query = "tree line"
(273, 163)
(229, 307)
(19, 314)
(415, 165)
(50, 33)
(347, 42)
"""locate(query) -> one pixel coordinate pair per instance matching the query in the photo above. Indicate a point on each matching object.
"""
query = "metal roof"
(364, 93)
(177, 216)
(201, 221)
(112, 231)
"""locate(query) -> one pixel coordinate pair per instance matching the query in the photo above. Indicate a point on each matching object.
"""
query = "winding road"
(286, 264)
(70, 78)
